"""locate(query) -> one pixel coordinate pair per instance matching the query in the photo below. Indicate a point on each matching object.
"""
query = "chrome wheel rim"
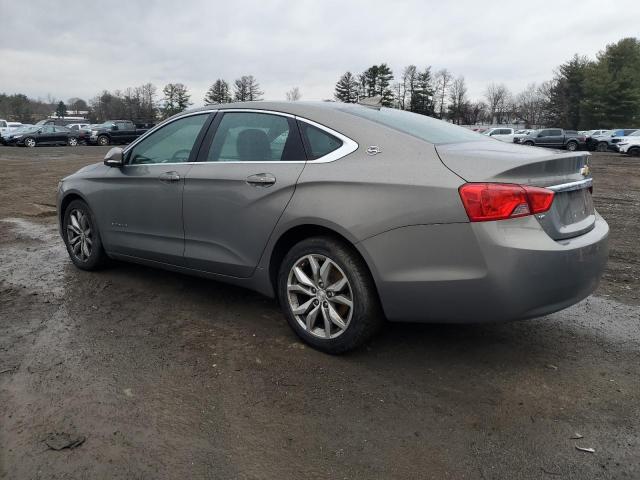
(79, 235)
(103, 141)
(571, 147)
(73, 142)
(320, 296)
(30, 142)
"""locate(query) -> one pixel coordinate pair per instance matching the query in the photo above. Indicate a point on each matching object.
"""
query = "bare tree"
(443, 80)
(458, 102)
(499, 101)
(293, 95)
(530, 105)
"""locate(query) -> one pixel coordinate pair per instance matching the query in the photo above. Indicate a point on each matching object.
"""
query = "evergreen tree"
(347, 89)
(612, 87)
(176, 99)
(376, 80)
(61, 110)
(567, 93)
(218, 93)
(421, 94)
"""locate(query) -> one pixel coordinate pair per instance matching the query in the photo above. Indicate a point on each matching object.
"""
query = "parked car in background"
(630, 144)
(555, 138)
(44, 135)
(12, 131)
(6, 126)
(271, 196)
(500, 133)
(591, 133)
(520, 134)
(606, 141)
(114, 132)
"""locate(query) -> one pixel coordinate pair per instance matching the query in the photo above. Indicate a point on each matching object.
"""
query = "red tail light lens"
(498, 201)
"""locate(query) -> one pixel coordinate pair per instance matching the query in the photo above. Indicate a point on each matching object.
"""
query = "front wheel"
(30, 142)
(103, 140)
(572, 146)
(602, 147)
(529, 143)
(81, 236)
(328, 295)
(634, 152)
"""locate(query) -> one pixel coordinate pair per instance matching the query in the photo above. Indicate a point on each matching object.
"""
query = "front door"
(235, 194)
(143, 214)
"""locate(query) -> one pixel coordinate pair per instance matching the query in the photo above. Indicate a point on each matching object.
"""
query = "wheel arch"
(65, 201)
(295, 234)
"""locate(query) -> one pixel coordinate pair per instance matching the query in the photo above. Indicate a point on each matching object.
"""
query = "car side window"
(318, 142)
(556, 133)
(255, 137)
(172, 143)
(47, 129)
(543, 133)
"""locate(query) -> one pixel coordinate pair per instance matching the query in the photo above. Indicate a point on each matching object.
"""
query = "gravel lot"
(167, 376)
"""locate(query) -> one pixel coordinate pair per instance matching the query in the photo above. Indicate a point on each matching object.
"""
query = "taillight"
(498, 201)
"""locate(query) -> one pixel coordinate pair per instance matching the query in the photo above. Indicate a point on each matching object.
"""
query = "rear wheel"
(72, 141)
(103, 140)
(572, 146)
(328, 295)
(30, 142)
(81, 236)
(602, 147)
(634, 151)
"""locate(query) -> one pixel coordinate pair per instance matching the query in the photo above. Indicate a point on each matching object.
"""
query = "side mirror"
(114, 157)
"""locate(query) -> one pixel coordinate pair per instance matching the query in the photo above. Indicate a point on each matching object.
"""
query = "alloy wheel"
(72, 141)
(30, 142)
(320, 296)
(79, 235)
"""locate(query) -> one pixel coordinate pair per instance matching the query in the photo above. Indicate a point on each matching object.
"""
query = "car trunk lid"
(572, 212)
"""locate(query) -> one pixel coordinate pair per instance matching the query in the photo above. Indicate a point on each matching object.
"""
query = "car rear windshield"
(426, 128)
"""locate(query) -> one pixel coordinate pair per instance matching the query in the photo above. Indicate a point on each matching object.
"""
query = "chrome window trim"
(348, 145)
(568, 187)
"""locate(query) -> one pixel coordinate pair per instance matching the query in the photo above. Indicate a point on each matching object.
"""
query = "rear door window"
(255, 137)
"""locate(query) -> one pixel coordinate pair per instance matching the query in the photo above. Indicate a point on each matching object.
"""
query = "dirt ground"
(167, 376)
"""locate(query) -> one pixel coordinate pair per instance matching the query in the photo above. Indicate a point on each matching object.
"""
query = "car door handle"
(261, 180)
(169, 177)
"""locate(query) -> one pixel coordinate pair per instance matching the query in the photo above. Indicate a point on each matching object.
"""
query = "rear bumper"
(483, 272)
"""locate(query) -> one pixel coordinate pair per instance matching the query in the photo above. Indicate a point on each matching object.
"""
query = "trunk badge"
(585, 171)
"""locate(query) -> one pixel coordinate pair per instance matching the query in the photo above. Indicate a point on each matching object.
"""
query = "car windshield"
(420, 126)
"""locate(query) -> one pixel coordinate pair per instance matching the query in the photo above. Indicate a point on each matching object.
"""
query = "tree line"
(582, 94)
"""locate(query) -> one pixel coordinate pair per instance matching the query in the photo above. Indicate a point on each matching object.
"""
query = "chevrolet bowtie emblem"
(585, 171)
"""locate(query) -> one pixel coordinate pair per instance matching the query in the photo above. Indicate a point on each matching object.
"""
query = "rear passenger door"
(235, 193)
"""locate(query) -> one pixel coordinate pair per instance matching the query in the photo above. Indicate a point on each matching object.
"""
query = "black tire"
(103, 140)
(366, 316)
(634, 151)
(29, 142)
(572, 146)
(602, 147)
(529, 143)
(72, 142)
(97, 257)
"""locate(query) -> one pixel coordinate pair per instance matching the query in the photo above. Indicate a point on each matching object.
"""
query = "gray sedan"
(347, 214)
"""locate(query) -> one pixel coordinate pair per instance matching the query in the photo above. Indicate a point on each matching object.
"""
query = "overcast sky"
(67, 49)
